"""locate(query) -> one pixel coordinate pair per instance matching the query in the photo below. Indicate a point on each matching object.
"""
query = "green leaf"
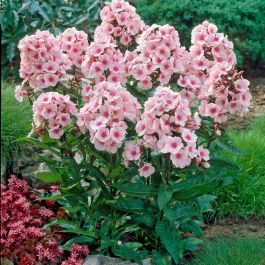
(133, 245)
(80, 232)
(161, 258)
(136, 189)
(191, 243)
(39, 144)
(191, 183)
(98, 175)
(128, 175)
(192, 226)
(204, 202)
(145, 218)
(45, 11)
(164, 196)
(104, 229)
(224, 164)
(104, 244)
(193, 187)
(10, 51)
(127, 253)
(180, 212)
(116, 172)
(228, 181)
(78, 240)
(169, 237)
(56, 197)
(48, 176)
(62, 223)
(132, 206)
(227, 147)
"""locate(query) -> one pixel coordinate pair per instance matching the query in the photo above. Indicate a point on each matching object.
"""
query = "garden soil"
(231, 227)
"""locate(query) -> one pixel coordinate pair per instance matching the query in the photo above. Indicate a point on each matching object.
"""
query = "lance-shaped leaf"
(48, 176)
(204, 202)
(127, 253)
(169, 237)
(164, 195)
(137, 189)
(161, 257)
(127, 205)
(78, 240)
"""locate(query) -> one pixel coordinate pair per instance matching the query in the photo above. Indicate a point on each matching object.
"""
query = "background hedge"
(242, 20)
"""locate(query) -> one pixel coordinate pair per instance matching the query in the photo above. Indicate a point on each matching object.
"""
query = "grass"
(246, 196)
(236, 251)
(16, 121)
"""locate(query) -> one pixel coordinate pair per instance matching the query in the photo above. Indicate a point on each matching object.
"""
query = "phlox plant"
(135, 123)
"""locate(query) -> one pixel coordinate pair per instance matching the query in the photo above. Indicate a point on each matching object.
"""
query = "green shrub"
(242, 21)
(15, 123)
(20, 18)
(246, 196)
(236, 251)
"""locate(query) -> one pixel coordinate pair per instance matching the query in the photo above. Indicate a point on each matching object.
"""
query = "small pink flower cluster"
(20, 92)
(214, 46)
(53, 111)
(78, 253)
(133, 153)
(74, 43)
(211, 76)
(230, 94)
(167, 126)
(103, 62)
(23, 239)
(109, 105)
(160, 56)
(21, 224)
(120, 23)
(43, 62)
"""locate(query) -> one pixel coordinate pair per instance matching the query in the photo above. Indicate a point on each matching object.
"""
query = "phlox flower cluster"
(74, 43)
(133, 152)
(120, 23)
(126, 51)
(53, 111)
(43, 62)
(167, 125)
(159, 57)
(109, 106)
(103, 62)
(211, 76)
(20, 92)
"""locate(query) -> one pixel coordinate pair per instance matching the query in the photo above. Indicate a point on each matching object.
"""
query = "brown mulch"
(252, 227)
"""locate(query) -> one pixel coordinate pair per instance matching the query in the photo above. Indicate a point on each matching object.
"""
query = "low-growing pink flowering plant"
(135, 123)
